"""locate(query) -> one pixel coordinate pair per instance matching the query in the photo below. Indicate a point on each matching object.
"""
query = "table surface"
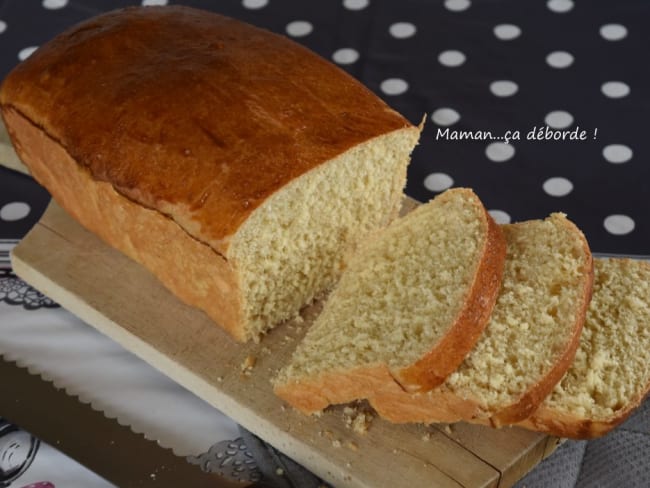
(503, 66)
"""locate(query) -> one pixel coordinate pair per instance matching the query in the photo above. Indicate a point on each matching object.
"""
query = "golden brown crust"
(312, 395)
(563, 424)
(145, 98)
(190, 269)
(395, 405)
(433, 368)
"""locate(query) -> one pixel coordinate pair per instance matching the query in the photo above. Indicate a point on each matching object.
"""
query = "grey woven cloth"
(621, 459)
(278, 471)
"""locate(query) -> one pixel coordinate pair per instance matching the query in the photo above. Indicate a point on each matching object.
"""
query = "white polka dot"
(14, 211)
(615, 89)
(299, 28)
(500, 217)
(507, 32)
(451, 58)
(457, 5)
(355, 4)
(617, 153)
(558, 186)
(345, 55)
(26, 52)
(54, 4)
(445, 116)
(394, 86)
(503, 88)
(559, 6)
(402, 30)
(558, 119)
(559, 59)
(438, 182)
(619, 224)
(254, 4)
(3, 26)
(499, 152)
(613, 32)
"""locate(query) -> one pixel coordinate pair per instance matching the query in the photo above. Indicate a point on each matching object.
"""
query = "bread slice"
(236, 165)
(530, 340)
(407, 310)
(610, 376)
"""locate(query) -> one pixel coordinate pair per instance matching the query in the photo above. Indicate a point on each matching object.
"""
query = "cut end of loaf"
(291, 248)
(400, 296)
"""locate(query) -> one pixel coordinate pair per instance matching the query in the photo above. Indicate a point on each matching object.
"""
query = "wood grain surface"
(8, 156)
(124, 301)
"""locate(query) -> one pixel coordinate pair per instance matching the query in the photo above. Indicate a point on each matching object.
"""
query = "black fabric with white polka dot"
(504, 67)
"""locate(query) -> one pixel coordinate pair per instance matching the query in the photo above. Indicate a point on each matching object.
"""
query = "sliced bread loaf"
(234, 164)
(611, 372)
(410, 306)
(530, 340)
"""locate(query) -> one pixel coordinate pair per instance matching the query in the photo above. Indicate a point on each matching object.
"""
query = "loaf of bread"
(234, 164)
(610, 375)
(529, 342)
(407, 310)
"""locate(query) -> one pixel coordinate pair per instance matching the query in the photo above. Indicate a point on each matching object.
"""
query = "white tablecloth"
(63, 349)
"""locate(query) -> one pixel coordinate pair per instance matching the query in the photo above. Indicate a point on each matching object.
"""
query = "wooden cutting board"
(124, 301)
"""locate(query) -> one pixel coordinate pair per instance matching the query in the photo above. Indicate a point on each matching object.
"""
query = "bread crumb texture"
(248, 364)
(292, 247)
(543, 292)
(400, 293)
(611, 370)
(358, 417)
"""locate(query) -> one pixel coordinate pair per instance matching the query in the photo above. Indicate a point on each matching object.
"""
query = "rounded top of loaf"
(193, 114)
